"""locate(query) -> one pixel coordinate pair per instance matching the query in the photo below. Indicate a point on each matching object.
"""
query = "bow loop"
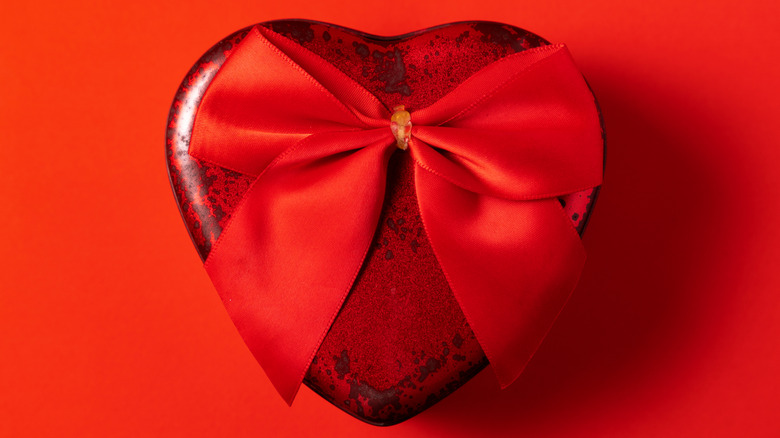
(518, 165)
(525, 127)
(267, 102)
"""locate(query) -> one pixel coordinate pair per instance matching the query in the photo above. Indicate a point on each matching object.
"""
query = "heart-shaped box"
(400, 342)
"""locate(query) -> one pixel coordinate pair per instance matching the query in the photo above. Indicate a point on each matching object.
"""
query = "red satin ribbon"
(491, 158)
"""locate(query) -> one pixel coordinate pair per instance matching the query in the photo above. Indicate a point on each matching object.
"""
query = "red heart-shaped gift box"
(400, 342)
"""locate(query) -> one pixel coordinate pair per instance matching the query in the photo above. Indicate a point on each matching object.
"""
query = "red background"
(110, 327)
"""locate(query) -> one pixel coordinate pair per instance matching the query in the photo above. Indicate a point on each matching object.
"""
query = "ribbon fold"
(491, 158)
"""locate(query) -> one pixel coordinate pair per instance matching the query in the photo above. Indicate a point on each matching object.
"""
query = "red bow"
(491, 158)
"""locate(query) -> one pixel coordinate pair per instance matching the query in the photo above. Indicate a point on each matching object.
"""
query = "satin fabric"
(491, 159)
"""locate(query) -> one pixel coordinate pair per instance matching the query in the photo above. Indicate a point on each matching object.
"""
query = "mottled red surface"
(400, 343)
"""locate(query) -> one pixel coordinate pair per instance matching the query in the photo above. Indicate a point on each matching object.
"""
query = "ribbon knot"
(401, 126)
(487, 182)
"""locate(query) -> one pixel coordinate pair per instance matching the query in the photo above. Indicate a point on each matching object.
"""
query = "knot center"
(401, 126)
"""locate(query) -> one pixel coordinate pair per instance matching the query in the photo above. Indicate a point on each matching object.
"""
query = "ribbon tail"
(289, 255)
(510, 264)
